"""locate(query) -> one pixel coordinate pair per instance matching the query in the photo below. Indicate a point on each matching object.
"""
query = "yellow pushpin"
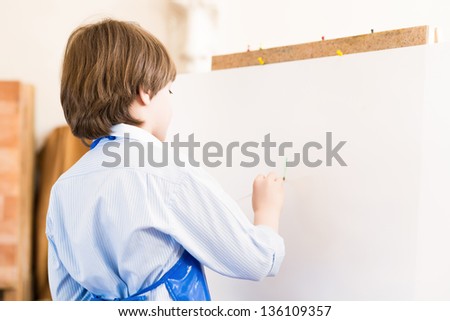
(261, 61)
(339, 53)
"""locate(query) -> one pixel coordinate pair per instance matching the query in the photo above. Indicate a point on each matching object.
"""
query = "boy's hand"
(268, 199)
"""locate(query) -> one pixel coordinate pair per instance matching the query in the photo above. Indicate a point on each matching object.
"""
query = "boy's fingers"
(272, 175)
(275, 177)
(260, 176)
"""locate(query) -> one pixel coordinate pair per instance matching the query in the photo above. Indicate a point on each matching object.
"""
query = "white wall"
(277, 23)
(33, 33)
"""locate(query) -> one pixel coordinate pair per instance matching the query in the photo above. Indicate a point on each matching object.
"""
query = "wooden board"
(370, 42)
(16, 189)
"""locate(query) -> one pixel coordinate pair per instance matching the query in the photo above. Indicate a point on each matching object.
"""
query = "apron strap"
(95, 142)
(186, 264)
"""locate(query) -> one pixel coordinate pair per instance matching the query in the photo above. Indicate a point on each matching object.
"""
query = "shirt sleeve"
(62, 286)
(211, 226)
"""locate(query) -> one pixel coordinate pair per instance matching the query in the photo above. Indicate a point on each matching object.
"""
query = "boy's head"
(106, 66)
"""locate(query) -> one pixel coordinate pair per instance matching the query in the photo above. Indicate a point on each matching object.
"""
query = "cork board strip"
(369, 42)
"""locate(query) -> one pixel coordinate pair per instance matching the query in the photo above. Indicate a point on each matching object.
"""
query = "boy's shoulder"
(93, 164)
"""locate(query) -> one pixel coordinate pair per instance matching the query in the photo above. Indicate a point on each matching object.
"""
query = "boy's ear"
(144, 97)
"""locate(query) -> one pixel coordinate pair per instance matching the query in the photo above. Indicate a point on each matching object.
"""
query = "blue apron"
(185, 281)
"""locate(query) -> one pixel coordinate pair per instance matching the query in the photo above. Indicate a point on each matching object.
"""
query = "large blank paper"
(355, 232)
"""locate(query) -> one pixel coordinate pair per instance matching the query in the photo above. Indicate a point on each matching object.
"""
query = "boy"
(135, 232)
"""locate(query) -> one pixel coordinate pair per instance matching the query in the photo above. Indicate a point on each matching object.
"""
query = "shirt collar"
(133, 132)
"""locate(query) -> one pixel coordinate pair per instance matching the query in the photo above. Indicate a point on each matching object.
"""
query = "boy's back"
(119, 228)
(98, 218)
(116, 230)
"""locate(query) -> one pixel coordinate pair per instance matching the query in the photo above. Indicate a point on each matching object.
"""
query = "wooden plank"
(26, 103)
(9, 160)
(7, 277)
(9, 183)
(16, 189)
(9, 96)
(8, 255)
(369, 42)
(9, 134)
(10, 91)
(9, 295)
(9, 220)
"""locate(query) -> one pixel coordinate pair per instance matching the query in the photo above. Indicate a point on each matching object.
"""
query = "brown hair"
(105, 65)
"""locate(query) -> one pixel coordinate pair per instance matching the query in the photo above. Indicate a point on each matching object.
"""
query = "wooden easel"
(369, 42)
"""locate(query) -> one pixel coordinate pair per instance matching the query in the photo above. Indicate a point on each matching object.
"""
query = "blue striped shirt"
(113, 231)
